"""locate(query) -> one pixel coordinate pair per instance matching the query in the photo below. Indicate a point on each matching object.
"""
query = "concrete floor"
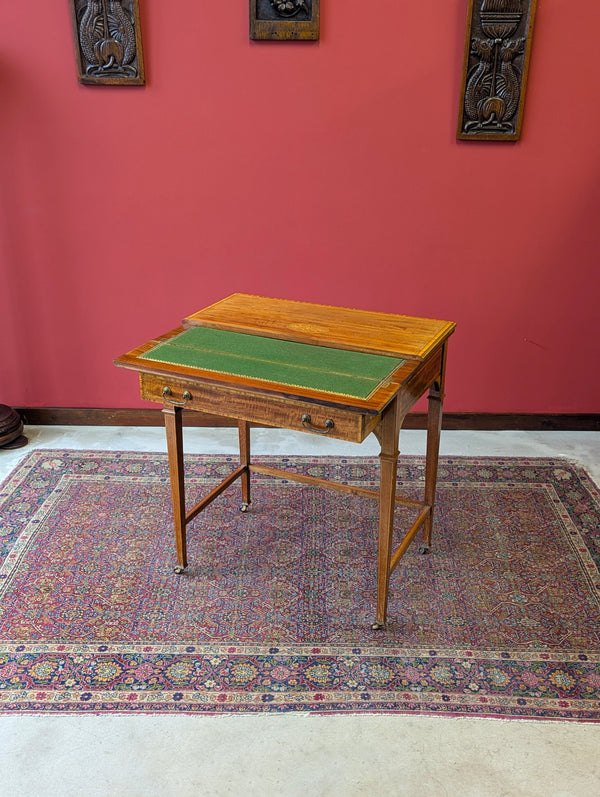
(294, 754)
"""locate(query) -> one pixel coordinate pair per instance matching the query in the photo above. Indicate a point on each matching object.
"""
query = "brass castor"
(178, 570)
(244, 507)
(378, 626)
(424, 549)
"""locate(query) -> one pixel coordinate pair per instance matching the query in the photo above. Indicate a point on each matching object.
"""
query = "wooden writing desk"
(324, 370)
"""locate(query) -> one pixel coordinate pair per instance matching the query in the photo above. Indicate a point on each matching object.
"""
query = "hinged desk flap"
(336, 327)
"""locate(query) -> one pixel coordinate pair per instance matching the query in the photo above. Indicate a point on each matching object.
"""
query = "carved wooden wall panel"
(108, 41)
(284, 19)
(496, 62)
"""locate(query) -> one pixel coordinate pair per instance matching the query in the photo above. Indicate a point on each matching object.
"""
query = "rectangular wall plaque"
(108, 42)
(284, 20)
(495, 67)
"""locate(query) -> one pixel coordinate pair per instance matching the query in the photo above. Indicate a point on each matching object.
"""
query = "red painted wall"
(324, 171)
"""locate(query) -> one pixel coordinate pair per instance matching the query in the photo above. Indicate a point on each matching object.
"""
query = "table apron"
(426, 373)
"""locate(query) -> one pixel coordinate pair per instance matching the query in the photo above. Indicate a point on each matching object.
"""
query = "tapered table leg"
(176, 472)
(244, 432)
(389, 430)
(434, 427)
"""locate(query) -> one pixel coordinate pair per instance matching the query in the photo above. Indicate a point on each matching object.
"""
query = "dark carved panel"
(496, 62)
(108, 41)
(284, 19)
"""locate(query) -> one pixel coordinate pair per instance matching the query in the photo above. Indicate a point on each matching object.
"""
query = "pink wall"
(323, 171)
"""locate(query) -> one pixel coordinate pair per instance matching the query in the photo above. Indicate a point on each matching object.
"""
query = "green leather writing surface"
(348, 373)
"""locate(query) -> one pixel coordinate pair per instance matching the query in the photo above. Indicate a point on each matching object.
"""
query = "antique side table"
(324, 370)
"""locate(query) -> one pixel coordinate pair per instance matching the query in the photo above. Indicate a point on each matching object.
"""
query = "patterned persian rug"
(501, 619)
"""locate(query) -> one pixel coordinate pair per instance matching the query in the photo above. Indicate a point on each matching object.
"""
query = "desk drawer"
(271, 411)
